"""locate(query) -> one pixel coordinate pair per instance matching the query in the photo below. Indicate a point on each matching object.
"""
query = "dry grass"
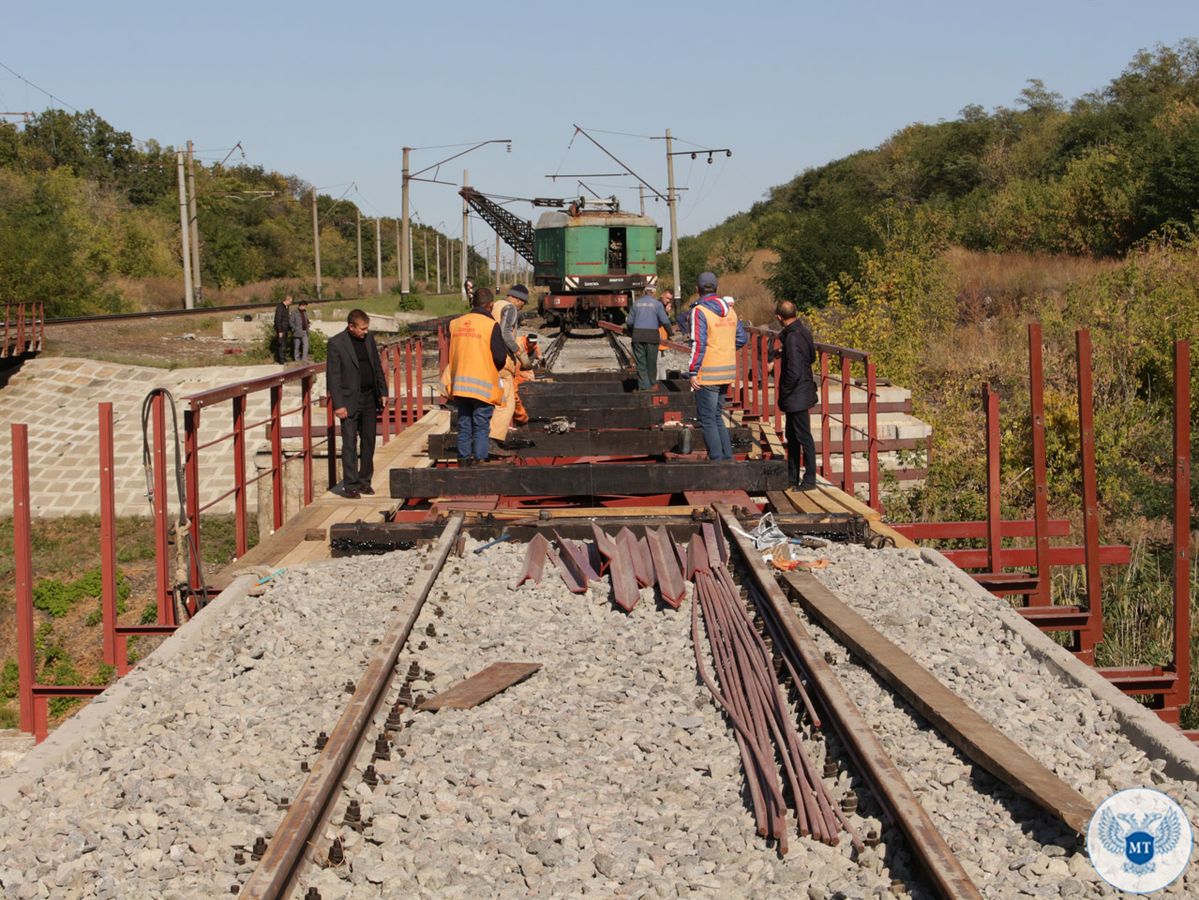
(1019, 276)
(755, 304)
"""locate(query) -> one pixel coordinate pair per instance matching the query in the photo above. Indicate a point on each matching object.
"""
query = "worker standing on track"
(718, 335)
(471, 378)
(528, 343)
(355, 380)
(282, 329)
(646, 316)
(797, 393)
(506, 313)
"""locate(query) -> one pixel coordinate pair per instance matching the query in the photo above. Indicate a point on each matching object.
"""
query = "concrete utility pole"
(316, 244)
(425, 253)
(379, 252)
(398, 251)
(437, 247)
(359, 219)
(194, 222)
(465, 237)
(497, 260)
(405, 238)
(672, 201)
(641, 190)
(189, 299)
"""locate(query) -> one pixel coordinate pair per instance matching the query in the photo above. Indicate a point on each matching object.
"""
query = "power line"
(37, 88)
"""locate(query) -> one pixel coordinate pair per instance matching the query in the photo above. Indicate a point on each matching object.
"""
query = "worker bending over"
(471, 378)
(528, 343)
(646, 318)
(506, 313)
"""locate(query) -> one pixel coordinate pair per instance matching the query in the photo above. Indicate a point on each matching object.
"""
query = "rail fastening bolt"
(350, 687)
(336, 853)
(370, 777)
(872, 838)
(239, 858)
(321, 740)
(430, 630)
(849, 803)
(830, 768)
(259, 848)
(312, 894)
(382, 749)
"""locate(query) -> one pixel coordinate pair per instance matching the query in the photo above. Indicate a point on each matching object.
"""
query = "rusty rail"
(284, 857)
(944, 870)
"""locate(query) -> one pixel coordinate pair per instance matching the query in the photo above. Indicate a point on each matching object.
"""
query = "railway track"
(613, 769)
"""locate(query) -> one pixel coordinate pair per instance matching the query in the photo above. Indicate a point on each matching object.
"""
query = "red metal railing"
(24, 329)
(402, 366)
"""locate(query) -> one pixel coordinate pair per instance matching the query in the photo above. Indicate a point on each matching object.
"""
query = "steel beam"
(597, 442)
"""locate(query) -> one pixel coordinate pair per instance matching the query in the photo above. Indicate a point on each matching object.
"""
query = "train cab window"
(617, 252)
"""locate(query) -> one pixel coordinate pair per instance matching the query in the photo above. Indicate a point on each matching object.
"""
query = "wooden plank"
(773, 441)
(781, 501)
(889, 786)
(804, 502)
(851, 503)
(590, 480)
(593, 442)
(755, 441)
(828, 502)
(949, 714)
(481, 686)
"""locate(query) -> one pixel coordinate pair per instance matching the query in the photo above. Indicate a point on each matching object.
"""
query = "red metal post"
(1090, 501)
(846, 426)
(994, 514)
(306, 424)
(161, 505)
(20, 328)
(108, 537)
(41, 318)
(754, 376)
(22, 546)
(277, 455)
(410, 367)
(331, 439)
(191, 465)
(1182, 524)
(826, 437)
(240, 524)
(778, 381)
(739, 387)
(420, 379)
(1036, 388)
(876, 500)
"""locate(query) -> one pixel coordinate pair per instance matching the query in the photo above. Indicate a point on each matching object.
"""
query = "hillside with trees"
(86, 213)
(1092, 178)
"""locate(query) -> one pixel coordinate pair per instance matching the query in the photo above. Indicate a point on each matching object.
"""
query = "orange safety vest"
(719, 365)
(663, 337)
(471, 372)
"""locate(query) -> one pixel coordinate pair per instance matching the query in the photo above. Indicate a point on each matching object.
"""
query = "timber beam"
(598, 442)
(590, 480)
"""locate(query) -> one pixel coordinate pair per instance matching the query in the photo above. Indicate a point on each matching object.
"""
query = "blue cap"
(706, 281)
(519, 292)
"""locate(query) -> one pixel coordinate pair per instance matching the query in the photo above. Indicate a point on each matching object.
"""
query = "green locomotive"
(590, 255)
(593, 260)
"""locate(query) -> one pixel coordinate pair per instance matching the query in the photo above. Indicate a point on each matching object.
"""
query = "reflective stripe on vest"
(719, 365)
(471, 372)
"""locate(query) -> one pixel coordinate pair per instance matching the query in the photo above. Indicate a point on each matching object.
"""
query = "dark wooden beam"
(544, 406)
(548, 385)
(595, 442)
(752, 476)
(600, 416)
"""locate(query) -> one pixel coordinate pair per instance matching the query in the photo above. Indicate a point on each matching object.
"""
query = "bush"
(9, 676)
(56, 597)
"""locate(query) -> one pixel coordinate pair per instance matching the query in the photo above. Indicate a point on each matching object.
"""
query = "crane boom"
(516, 232)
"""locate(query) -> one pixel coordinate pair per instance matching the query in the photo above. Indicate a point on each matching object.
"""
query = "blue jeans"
(709, 401)
(474, 427)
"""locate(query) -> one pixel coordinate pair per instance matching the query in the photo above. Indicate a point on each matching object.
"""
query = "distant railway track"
(182, 313)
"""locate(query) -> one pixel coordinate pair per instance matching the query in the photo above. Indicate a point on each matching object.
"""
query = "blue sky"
(330, 92)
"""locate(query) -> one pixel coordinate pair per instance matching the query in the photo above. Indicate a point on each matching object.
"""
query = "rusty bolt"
(312, 894)
(303, 765)
(438, 611)
(382, 749)
(394, 722)
(849, 803)
(283, 803)
(239, 858)
(830, 658)
(872, 839)
(423, 645)
(336, 853)
(259, 848)
(413, 669)
(353, 817)
(830, 768)
(321, 740)
(350, 687)
(370, 777)
(430, 630)
(235, 889)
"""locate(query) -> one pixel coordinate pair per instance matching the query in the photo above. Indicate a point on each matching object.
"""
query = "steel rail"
(284, 858)
(942, 867)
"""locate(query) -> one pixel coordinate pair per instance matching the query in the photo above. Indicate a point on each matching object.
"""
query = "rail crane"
(590, 255)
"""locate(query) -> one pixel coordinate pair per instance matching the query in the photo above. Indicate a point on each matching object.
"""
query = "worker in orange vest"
(472, 376)
(528, 343)
(506, 313)
(718, 335)
(664, 333)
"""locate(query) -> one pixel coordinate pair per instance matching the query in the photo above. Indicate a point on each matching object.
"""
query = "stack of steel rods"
(750, 695)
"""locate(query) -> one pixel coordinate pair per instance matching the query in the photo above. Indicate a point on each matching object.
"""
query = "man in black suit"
(355, 380)
(797, 393)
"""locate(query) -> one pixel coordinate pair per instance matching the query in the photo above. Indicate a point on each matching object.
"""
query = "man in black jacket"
(355, 380)
(282, 329)
(797, 393)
